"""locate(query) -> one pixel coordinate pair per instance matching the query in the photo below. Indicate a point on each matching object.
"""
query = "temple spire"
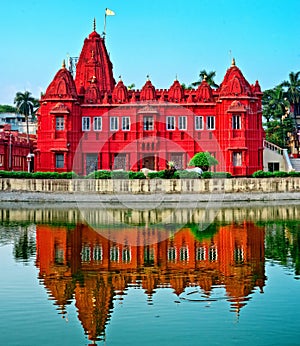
(63, 64)
(94, 61)
(94, 24)
(233, 62)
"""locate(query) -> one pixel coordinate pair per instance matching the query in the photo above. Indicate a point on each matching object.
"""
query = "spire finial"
(233, 62)
(94, 24)
(205, 77)
(63, 64)
(148, 77)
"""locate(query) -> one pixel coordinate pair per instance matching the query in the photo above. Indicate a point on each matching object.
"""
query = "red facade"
(14, 150)
(91, 122)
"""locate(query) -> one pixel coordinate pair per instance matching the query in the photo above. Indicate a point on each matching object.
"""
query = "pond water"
(118, 276)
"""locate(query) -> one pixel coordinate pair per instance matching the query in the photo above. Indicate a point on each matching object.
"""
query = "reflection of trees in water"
(283, 243)
(24, 245)
(23, 239)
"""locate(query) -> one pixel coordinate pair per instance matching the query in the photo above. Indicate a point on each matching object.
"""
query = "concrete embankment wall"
(154, 186)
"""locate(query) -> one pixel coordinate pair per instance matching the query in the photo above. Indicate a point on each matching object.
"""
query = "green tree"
(276, 112)
(208, 76)
(204, 160)
(131, 86)
(185, 87)
(277, 131)
(7, 109)
(275, 104)
(293, 90)
(26, 105)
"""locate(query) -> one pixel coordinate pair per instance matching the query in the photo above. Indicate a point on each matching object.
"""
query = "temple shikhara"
(90, 122)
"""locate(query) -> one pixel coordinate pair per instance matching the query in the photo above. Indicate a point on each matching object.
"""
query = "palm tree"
(275, 104)
(293, 91)
(208, 76)
(275, 111)
(26, 105)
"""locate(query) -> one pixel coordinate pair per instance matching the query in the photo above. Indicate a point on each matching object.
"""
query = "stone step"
(296, 164)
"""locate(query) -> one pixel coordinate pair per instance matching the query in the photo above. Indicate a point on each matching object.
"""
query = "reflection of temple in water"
(82, 264)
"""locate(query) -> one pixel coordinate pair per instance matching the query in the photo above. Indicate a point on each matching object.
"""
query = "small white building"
(18, 122)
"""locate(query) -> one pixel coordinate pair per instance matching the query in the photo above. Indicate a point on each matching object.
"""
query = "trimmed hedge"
(157, 175)
(186, 175)
(294, 174)
(37, 175)
(136, 175)
(183, 174)
(164, 174)
(211, 175)
(103, 174)
(275, 174)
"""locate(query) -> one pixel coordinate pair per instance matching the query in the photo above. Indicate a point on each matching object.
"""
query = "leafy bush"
(182, 174)
(119, 175)
(17, 174)
(204, 160)
(153, 175)
(262, 174)
(37, 175)
(102, 174)
(206, 175)
(218, 175)
(222, 175)
(4, 174)
(136, 175)
(280, 174)
(158, 175)
(294, 174)
(46, 175)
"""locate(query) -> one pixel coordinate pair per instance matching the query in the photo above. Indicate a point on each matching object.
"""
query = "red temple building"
(90, 122)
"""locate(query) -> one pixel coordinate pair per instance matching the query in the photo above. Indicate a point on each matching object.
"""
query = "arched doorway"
(148, 162)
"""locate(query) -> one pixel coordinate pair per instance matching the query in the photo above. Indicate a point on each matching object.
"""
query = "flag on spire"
(109, 12)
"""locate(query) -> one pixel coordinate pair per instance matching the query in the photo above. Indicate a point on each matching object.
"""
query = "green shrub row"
(37, 175)
(182, 174)
(209, 175)
(164, 174)
(276, 174)
(116, 175)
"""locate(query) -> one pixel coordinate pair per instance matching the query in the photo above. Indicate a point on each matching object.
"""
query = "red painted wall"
(14, 149)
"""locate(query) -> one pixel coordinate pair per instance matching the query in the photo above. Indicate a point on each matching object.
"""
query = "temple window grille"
(182, 123)
(210, 124)
(198, 123)
(171, 123)
(86, 123)
(97, 124)
(59, 123)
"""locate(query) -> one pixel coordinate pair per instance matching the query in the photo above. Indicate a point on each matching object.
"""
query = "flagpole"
(104, 32)
(108, 12)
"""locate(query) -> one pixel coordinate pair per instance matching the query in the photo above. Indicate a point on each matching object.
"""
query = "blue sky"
(162, 38)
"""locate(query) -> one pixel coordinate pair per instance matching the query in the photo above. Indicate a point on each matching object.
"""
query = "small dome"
(204, 92)
(120, 93)
(176, 93)
(148, 92)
